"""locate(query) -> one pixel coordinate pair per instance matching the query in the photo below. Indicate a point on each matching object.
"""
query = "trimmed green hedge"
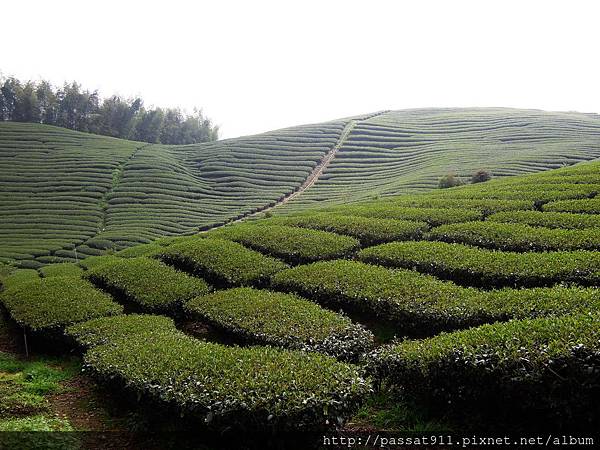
(109, 329)
(148, 283)
(587, 206)
(548, 219)
(52, 303)
(517, 237)
(422, 305)
(267, 317)
(61, 270)
(295, 245)
(17, 276)
(488, 268)
(260, 387)
(369, 231)
(222, 262)
(432, 216)
(486, 205)
(95, 261)
(506, 370)
(151, 249)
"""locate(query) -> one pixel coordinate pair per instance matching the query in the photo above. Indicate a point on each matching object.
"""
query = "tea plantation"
(68, 195)
(476, 304)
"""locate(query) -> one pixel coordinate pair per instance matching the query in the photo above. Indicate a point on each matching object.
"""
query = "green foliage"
(587, 206)
(423, 305)
(20, 276)
(487, 268)
(368, 231)
(433, 216)
(52, 303)
(148, 283)
(110, 329)
(570, 221)
(481, 176)
(148, 250)
(61, 270)
(505, 370)
(295, 245)
(92, 262)
(82, 110)
(222, 262)
(292, 322)
(231, 386)
(449, 180)
(517, 237)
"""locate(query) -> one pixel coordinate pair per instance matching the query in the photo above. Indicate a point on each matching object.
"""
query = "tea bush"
(260, 387)
(369, 231)
(48, 304)
(517, 237)
(267, 317)
(505, 370)
(148, 283)
(222, 262)
(488, 268)
(295, 245)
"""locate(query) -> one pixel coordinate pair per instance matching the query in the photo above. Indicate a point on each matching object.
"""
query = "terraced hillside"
(67, 195)
(494, 288)
(408, 151)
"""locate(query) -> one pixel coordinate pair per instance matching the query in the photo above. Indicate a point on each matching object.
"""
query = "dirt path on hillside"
(312, 177)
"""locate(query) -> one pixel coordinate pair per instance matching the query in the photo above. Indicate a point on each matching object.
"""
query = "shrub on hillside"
(148, 283)
(449, 180)
(48, 304)
(61, 270)
(229, 387)
(295, 245)
(368, 231)
(517, 237)
(488, 268)
(105, 330)
(286, 320)
(221, 262)
(504, 371)
(481, 176)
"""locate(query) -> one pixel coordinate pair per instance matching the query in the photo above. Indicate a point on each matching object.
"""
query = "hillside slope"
(66, 195)
(495, 281)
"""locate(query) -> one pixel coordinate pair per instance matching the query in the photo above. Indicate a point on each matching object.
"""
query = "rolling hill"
(493, 288)
(68, 195)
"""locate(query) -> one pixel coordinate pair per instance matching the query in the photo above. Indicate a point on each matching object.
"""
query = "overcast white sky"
(256, 65)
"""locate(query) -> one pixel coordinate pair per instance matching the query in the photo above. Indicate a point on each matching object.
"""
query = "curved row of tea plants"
(421, 305)
(488, 268)
(505, 371)
(274, 318)
(517, 237)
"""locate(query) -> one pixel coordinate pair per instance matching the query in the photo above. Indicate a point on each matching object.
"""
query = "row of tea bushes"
(47, 305)
(226, 387)
(421, 305)
(586, 206)
(221, 262)
(504, 371)
(487, 268)
(106, 330)
(149, 284)
(569, 221)
(369, 231)
(294, 245)
(285, 320)
(61, 270)
(432, 216)
(487, 205)
(517, 237)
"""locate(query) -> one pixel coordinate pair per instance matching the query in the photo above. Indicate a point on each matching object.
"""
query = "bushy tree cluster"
(79, 109)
